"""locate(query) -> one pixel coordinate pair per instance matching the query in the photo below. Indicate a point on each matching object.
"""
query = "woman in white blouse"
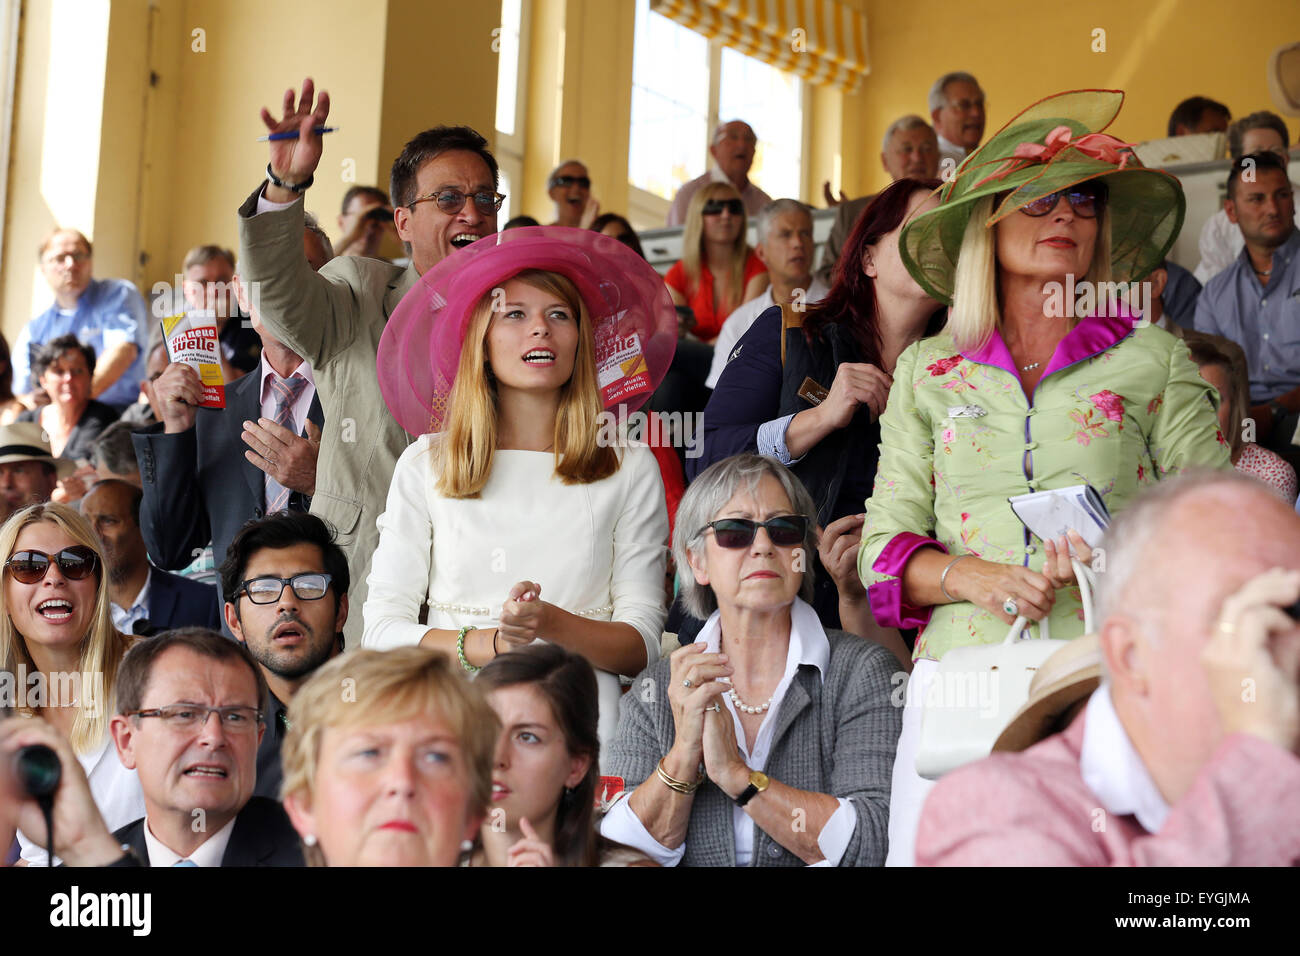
(58, 641)
(516, 523)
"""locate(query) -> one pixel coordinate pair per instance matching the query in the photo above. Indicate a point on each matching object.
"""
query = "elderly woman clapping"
(767, 718)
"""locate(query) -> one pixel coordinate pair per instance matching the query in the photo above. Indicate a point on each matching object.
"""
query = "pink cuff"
(886, 597)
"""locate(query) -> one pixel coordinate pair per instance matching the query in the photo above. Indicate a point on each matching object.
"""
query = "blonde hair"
(367, 688)
(693, 244)
(463, 461)
(102, 647)
(976, 306)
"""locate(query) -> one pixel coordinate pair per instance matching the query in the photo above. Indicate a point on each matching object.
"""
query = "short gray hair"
(310, 223)
(1126, 540)
(707, 495)
(902, 125)
(568, 162)
(777, 207)
(937, 98)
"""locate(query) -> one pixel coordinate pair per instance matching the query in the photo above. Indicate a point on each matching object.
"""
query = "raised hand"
(294, 160)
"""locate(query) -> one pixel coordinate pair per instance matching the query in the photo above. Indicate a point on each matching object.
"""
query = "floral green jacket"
(1117, 407)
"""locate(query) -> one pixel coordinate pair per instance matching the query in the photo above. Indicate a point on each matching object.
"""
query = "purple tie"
(285, 392)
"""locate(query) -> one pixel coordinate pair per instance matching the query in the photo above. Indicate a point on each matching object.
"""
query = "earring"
(466, 846)
(309, 839)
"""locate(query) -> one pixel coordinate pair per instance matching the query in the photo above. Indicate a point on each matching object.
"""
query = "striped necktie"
(285, 392)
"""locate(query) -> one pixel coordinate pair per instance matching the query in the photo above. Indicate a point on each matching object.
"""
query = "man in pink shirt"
(1186, 755)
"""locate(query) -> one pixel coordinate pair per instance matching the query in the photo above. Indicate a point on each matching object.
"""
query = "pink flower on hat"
(1109, 404)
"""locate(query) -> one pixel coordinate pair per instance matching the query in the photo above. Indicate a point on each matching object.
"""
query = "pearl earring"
(309, 839)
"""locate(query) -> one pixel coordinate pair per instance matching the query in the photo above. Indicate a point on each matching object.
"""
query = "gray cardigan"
(834, 736)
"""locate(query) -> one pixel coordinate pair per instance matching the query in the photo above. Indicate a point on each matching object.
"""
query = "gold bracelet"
(672, 783)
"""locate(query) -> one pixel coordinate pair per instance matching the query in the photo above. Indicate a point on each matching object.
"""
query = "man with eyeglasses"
(569, 187)
(732, 149)
(957, 111)
(106, 314)
(286, 585)
(189, 722)
(444, 192)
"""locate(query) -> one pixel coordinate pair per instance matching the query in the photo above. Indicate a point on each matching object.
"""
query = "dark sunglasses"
(714, 207)
(452, 201)
(785, 531)
(1086, 202)
(74, 564)
(563, 182)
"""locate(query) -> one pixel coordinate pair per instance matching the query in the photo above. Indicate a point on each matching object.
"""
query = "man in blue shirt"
(106, 314)
(1255, 302)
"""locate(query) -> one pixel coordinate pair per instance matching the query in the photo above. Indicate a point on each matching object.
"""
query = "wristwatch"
(757, 784)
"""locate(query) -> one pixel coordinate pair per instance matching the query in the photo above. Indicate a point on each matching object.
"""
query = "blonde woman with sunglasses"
(60, 652)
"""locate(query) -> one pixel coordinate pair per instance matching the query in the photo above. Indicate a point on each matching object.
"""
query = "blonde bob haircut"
(693, 243)
(370, 688)
(464, 460)
(102, 647)
(976, 297)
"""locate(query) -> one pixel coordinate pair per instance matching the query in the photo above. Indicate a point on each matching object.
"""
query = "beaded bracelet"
(460, 649)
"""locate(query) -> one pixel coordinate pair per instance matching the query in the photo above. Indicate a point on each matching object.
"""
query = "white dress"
(598, 550)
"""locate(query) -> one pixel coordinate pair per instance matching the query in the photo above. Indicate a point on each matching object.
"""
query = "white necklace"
(735, 699)
(1030, 368)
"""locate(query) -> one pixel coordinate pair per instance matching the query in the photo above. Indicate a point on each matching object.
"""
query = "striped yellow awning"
(823, 41)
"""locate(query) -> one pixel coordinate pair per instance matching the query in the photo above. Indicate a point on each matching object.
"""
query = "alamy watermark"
(621, 428)
(36, 690)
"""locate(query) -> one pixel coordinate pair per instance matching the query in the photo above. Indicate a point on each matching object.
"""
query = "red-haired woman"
(767, 399)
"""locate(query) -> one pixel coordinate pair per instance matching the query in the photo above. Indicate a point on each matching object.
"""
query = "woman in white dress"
(520, 519)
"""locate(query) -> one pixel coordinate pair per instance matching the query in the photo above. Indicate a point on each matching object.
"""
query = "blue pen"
(293, 134)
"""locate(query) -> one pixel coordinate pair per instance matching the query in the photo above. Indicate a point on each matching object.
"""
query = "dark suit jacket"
(175, 601)
(263, 836)
(198, 486)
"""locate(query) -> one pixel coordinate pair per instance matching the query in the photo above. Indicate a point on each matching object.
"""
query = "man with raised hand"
(444, 192)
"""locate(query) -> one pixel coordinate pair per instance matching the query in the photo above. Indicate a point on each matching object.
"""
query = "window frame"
(509, 151)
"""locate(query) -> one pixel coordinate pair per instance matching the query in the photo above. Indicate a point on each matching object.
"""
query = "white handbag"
(976, 690)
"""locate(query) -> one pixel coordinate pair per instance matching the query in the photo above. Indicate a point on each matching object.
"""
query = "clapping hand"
(523, 615)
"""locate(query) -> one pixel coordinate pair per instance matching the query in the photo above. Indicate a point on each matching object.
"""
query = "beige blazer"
(333, 319)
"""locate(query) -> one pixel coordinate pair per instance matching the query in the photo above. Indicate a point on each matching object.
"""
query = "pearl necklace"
(735, 699)
(1031, 367)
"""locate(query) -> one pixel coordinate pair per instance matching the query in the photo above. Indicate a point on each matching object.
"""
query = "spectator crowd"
(443, 581)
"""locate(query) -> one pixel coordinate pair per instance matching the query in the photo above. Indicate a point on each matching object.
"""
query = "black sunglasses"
(785, 531)
(563, 182)
(74, 564)
(715, 206)
(1086, 201)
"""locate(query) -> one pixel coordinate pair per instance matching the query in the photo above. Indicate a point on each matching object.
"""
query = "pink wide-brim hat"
(634, 322)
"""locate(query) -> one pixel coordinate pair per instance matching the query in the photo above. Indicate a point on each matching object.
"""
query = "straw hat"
(25, 441)
(1054, 144)
(1064, 679)
(634, 321)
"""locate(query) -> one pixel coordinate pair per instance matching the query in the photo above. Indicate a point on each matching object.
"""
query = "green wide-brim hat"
(1055, 143)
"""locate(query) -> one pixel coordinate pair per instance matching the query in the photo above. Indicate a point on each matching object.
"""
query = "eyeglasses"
(267, 589)
(785, 531)
(1085, 202)
(965, 106)
(74, 564)
(452, 201)
(181, 717)
(563, 182)
(715, 206)
(53, 258)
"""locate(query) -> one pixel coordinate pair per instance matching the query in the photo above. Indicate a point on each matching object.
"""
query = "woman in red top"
(718, 269)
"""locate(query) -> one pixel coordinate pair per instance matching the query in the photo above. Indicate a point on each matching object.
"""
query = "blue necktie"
(184, 863)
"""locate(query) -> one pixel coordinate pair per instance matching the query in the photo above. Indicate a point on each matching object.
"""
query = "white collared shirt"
(208, 853)
(949, 150)
(738, 323)
(1113, 769)
(808, 645)
(123, 618)
(301, 405)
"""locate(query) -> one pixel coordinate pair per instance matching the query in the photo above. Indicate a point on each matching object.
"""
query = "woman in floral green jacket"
(1026, 389)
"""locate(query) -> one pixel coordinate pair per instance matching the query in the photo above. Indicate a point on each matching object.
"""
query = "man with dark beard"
(286, 586)
(143, 599)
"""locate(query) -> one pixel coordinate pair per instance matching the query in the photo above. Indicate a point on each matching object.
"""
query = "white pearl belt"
(486, 611)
